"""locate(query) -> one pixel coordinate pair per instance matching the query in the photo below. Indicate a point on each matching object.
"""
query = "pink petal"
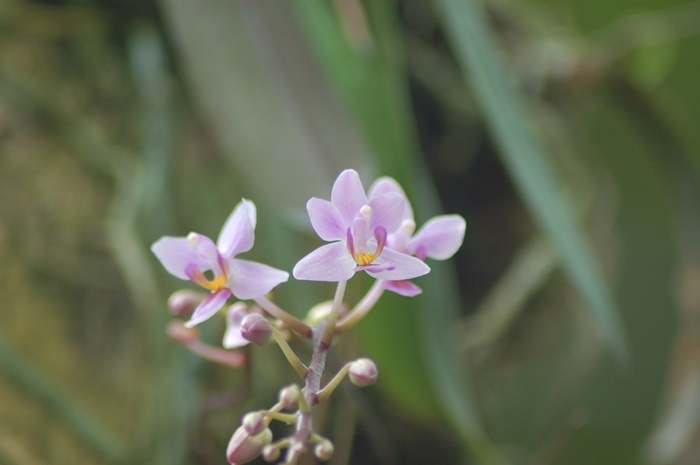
(238, 233)
(326, 220)
(394, 266)
(209, 255)
(387, 211)
(386, 184)
(209, 307)
(331, 262)
(176, 254)
(440, 237)
(348, 195)
(249, 280)
(403, 287)
(234, 317)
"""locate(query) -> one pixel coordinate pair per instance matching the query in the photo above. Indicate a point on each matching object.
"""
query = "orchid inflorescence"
(368, 231)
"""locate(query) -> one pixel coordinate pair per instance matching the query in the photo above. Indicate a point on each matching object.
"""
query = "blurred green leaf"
(522, 154)
(373, 88)
(262, 94)
(25, 376)
(374, 84)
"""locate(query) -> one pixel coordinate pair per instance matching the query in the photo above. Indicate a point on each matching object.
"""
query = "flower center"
(215, 284)
(358, 251)
(365, 258)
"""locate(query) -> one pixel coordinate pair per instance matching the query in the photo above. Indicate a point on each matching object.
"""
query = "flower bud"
(270, 453)
(254, 423)
(289, 396)
(324, 450)
(178, 332)
(243, 447)
(182, 303)
(256, 329)
(363, 372)
(319, 312)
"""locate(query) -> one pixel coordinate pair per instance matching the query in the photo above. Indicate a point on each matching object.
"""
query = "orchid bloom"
(213, 266)
(359, 228)
(439, 238)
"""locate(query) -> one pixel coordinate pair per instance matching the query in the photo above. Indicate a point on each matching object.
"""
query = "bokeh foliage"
(564, 332)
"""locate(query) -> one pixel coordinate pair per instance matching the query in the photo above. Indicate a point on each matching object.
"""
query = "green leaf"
(523, 156)
(261, 92)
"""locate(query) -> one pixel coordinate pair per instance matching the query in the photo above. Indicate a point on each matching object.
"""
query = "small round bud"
(182, 303)
(270, 453)
(256, 329)
(243, 447)
(254, 423)
(295, 450)
(178, 332)
(363, 372)
(319, 312)
(289, 396)
(324, 450)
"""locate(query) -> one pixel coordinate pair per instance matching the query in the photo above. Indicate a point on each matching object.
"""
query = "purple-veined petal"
(238, 233)
(387, 211)
(326, 220)
(234, 317)
(331, 262)
(249, 280)
(208, 307)
(207, 251)
(403, 287)
(348, 195)
(385, 185)
(440, 237)
(176, 254)
(395, 266)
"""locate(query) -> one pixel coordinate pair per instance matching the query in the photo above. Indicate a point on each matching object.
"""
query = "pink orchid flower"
(212, 266)
(439, 238)
(359, 228)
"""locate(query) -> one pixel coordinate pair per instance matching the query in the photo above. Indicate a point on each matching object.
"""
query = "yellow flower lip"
(215, 284)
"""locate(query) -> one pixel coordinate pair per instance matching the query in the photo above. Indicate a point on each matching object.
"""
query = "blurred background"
(564, 332)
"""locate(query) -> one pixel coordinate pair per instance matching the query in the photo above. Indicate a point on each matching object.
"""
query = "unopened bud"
(319, 312)
(324, 450)
(178, 332)
(270, 453)
(256, 329)
(243, 447)
(182, 303)
(363, 372)
(295, 451)
(289, 396)
(254, 423)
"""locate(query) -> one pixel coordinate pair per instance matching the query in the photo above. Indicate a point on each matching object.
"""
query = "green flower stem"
(327, 391)
(328, 332)
(362, 308)
(294, 324)
(297, 364)
(287, 418)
